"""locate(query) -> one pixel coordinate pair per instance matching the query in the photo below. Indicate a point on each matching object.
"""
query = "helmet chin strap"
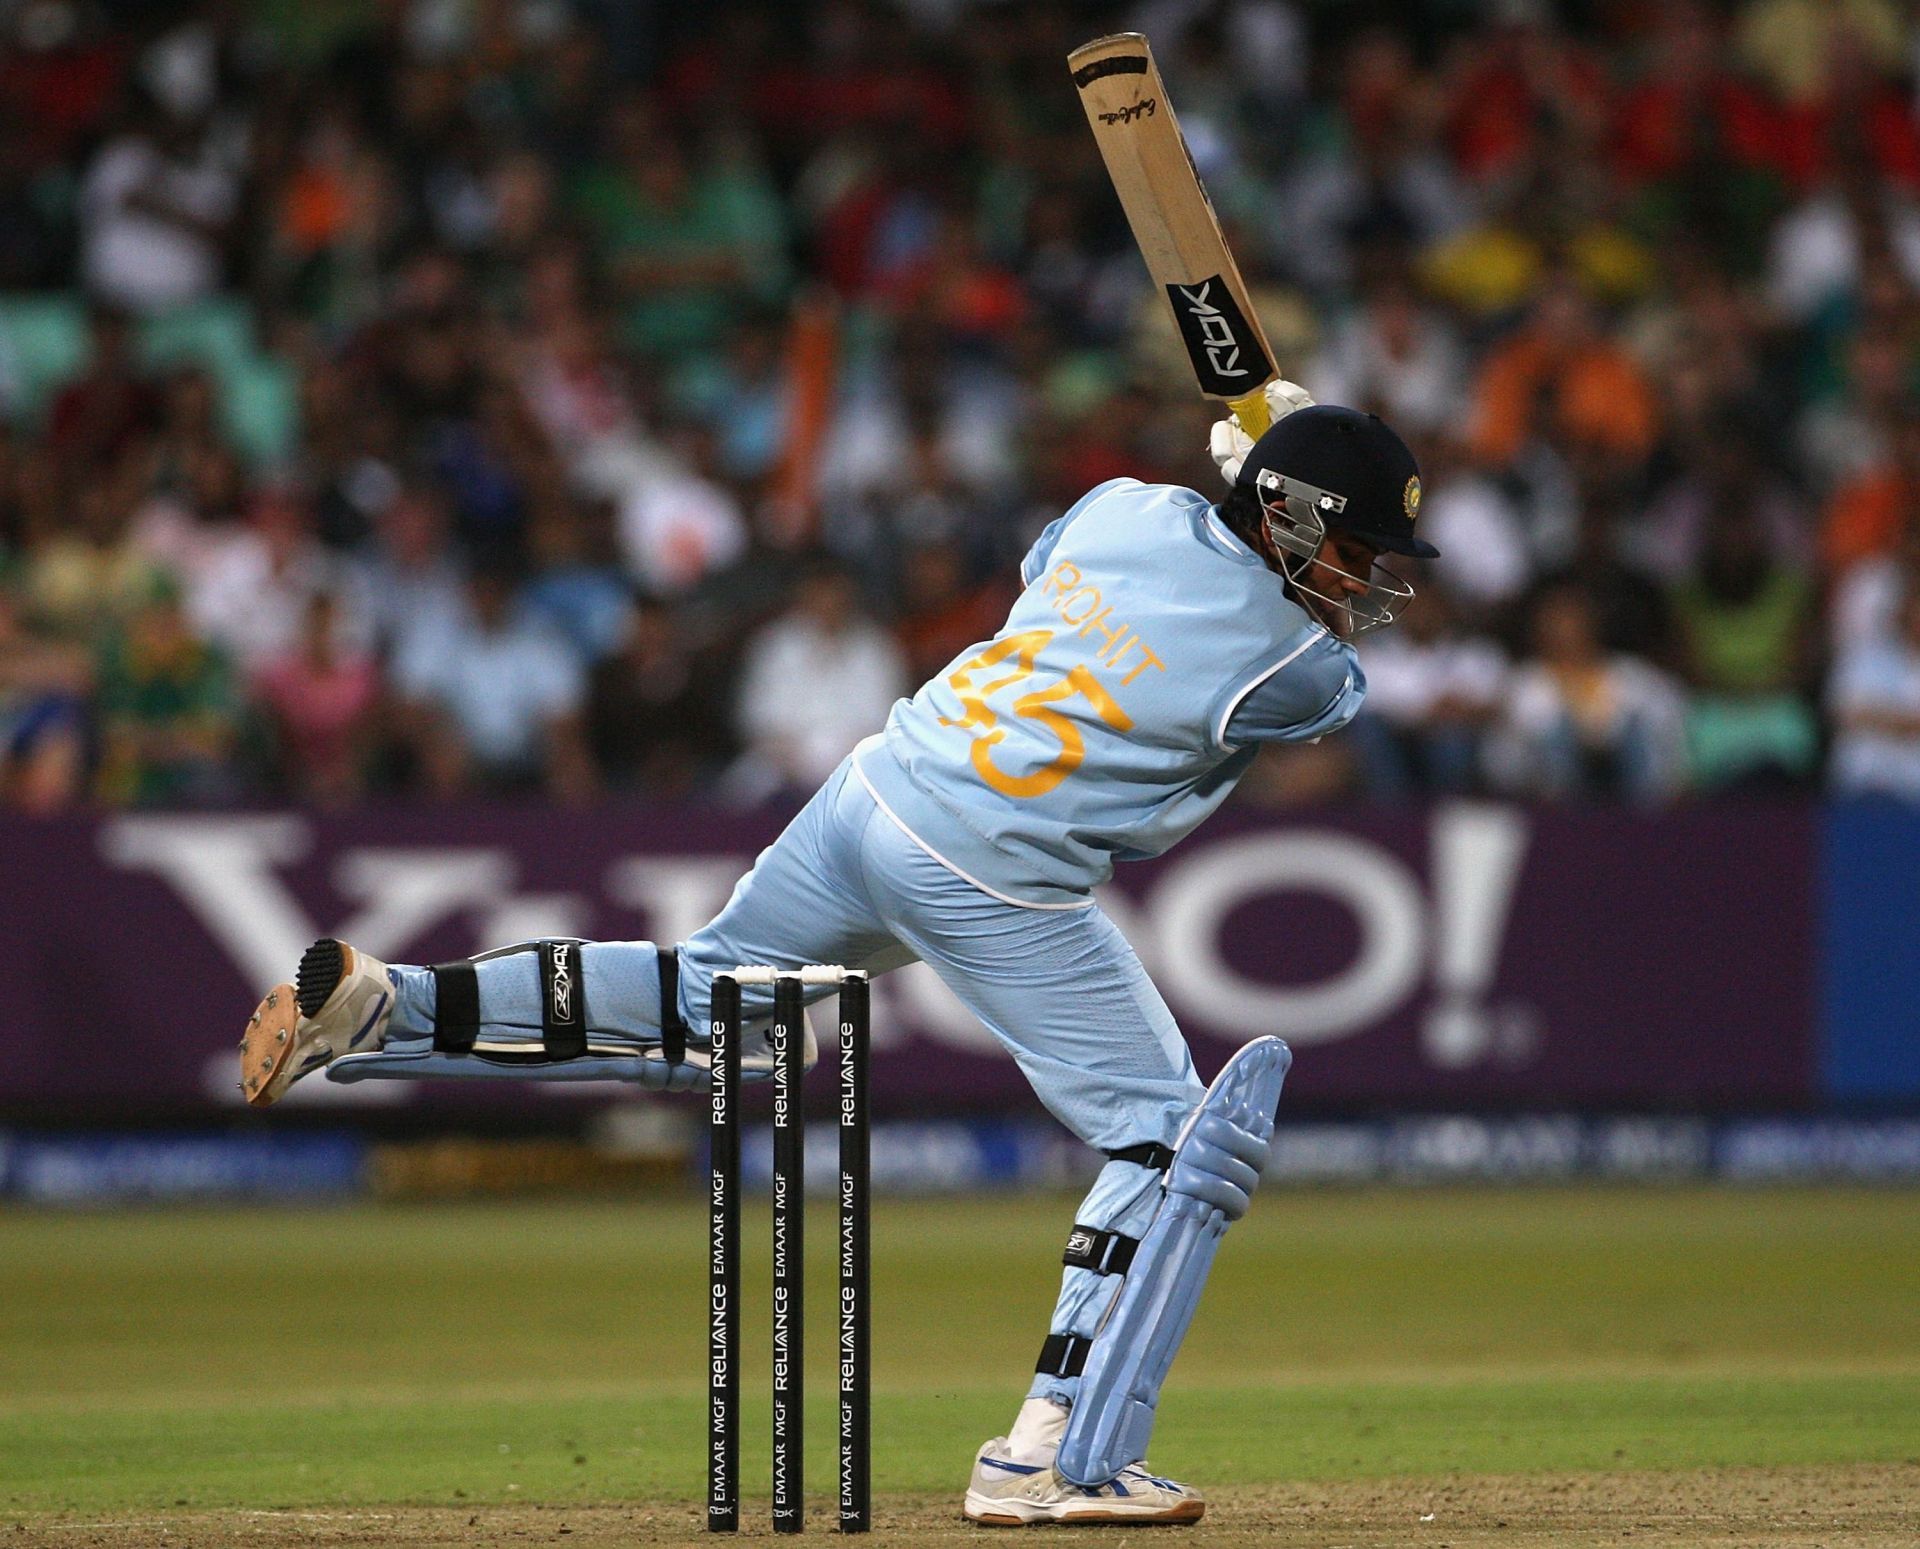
(1296, 520)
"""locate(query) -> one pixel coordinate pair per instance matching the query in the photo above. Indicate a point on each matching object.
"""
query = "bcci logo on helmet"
(1410, 497)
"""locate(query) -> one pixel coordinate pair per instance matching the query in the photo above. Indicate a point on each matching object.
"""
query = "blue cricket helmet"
(1349, 468)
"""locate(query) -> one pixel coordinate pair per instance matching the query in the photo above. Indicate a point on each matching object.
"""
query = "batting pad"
(1215, 1169)
(642, 1067)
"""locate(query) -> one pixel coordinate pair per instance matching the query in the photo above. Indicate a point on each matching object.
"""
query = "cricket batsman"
(1161, 638)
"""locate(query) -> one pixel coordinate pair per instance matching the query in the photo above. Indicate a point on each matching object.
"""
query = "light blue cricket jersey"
(1149, 653)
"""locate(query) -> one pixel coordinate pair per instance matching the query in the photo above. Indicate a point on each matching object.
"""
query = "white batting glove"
(1228, 444)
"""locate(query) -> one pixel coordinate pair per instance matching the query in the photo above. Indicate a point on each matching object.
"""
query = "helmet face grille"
(1296, 516)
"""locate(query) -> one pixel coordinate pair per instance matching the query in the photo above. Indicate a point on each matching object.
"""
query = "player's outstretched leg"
(580, 1010)
(340, 1002)
(560, 1009)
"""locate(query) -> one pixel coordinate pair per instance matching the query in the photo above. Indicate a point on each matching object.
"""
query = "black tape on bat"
(1227, 355)
(1100, 69)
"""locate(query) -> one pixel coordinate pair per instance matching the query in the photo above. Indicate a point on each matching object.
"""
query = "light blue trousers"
(1060, 989)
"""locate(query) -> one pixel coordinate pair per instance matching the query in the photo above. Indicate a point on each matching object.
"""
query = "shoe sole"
(1184, 1515)
(267, 1046)
(272, 1036)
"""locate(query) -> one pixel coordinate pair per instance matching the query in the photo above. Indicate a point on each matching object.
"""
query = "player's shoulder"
(1326, 663)
(1123, 491)
(1172, 511)
(1145, 492)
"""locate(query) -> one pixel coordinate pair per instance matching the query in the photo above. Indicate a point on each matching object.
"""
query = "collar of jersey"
(1226, 540)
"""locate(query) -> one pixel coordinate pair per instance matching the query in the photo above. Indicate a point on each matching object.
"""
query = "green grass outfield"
(554, 1352)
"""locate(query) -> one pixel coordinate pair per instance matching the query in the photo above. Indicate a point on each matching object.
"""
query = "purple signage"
(1464, 955)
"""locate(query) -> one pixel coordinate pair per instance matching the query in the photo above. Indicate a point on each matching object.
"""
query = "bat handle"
(1252, 410)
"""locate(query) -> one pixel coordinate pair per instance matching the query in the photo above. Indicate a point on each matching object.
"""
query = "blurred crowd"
(572, 397)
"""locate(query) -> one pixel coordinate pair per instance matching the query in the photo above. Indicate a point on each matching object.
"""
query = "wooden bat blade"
(1173, 220)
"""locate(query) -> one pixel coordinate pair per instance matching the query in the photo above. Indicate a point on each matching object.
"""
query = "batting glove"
(1229, 444)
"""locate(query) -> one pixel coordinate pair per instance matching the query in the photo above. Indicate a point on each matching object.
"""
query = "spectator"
(350, 457)
(815, 681)
(1868, 514)
(1516, 83)
(155, 209)
(97, 415)
(1696, 143)
(1562, 379)
(1705, 342)
(1469, 511)
(1724, 470)
(249, 591)
(654, 719)
(488, 461)
(1397, 358)
(1745, 620)
(1867, 597)
(1581, 723)
(1432, 691)
(574, 387)
(1797, 45)
(525, 222)
(1629, 604)
(407, 590)
(1818, 248)
(496, 705)
(682, 525)
(321, 693)
(93, 574)
(688, 239)
(43, 715)
(194, 506)
(577, 589)
(169, 710)
(1846, 434)
(1875, 704)
(59, 75)
(747, 393)
(1386, 183)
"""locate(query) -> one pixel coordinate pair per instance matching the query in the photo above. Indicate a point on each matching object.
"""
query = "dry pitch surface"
(1433, 1368)
(1853, 1507)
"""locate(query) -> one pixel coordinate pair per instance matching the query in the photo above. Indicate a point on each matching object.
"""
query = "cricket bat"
(1173, 221)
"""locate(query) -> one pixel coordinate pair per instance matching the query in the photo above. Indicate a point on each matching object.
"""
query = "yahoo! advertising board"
(1462, 956)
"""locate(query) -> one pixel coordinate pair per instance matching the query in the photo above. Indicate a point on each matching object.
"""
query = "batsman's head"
(1336, 489)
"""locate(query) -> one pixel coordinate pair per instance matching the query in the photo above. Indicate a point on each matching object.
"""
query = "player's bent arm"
(1316, 693)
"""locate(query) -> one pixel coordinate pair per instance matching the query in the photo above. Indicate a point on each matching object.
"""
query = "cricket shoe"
(1006, 1493)
(338, 1004)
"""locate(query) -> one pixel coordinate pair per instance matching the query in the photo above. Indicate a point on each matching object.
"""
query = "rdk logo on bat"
(1226, 354)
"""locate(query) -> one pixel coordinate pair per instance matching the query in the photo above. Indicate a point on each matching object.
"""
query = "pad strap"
(1063, 1355)
(456, 1007)
(1103, 1252)
(1149, 1153)
(563, 1000)
(673, 1029)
